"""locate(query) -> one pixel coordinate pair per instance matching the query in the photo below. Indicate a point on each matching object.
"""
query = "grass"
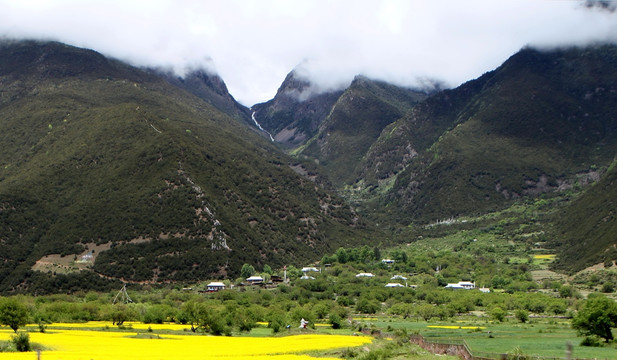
(541, 337)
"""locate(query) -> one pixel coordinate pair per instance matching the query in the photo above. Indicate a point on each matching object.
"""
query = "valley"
(117, 177)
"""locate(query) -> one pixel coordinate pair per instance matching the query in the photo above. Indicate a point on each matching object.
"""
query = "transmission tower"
(123, 296)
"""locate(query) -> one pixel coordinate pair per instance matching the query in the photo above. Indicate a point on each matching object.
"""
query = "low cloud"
(254, 44)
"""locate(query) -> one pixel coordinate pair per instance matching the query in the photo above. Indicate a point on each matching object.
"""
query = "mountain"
(354, 123)
(154, 183)
(543, 121)
(294, 114)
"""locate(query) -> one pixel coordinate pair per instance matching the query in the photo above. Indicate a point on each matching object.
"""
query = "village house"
(215, 286)
(255, 280)
(461, 285)
(393, 285)
(309, 269)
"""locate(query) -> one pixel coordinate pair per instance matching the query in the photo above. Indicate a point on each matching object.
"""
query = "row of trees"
(228, 311)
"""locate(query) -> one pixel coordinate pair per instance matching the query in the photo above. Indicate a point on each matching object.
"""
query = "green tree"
(342, 256)
(366, 306)
(498, 313)
(195, 313)
(566, 291)
(276, 320)
(268, 269)
(247, 271)
(13, 313)
(402, 309)
(321, 310)
(335, 320)
(426, 311)
(122, 313)
(597, 317)
(376, 253)
(522, 315)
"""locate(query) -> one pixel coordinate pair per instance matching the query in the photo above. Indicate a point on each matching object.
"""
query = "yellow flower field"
(65, 344)
(545, 257)
(96, 325)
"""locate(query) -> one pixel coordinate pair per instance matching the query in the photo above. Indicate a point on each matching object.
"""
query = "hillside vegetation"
(541, 124)
(354, 122)
(96, 152)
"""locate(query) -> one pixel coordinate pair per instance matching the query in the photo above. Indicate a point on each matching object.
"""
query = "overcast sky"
(254, 44)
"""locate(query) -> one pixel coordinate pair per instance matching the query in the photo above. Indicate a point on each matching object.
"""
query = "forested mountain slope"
(354, 123)
(544, 121)
(98, 154)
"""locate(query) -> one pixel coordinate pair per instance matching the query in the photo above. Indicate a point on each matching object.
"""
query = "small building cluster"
(306, 271)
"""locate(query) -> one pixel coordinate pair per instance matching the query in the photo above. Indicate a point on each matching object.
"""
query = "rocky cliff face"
(294, 115)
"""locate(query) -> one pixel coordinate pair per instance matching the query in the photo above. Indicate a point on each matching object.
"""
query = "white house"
(87, 258)
(393, 285)
(388, 261)
(461, 285)
(364, 275)
(307, 269)
(398, 277)
(215, 286)
(255, 280)
(307, 277)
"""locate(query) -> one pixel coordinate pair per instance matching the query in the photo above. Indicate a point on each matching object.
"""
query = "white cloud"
(255, 43)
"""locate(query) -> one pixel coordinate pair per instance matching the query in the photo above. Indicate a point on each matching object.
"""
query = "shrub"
(522, 315)
(608, 287)
(498, 314)
(593, 341)
(335, 320)
(21, 341)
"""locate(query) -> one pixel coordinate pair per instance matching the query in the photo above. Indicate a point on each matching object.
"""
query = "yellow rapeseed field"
(95, 325)
(545, 256)
(77, 344)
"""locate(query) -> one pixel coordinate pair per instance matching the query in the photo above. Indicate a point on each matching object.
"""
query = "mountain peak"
(296, 87)
(296, 111)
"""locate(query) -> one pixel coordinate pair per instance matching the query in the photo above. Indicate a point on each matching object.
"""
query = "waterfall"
(259, 126)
